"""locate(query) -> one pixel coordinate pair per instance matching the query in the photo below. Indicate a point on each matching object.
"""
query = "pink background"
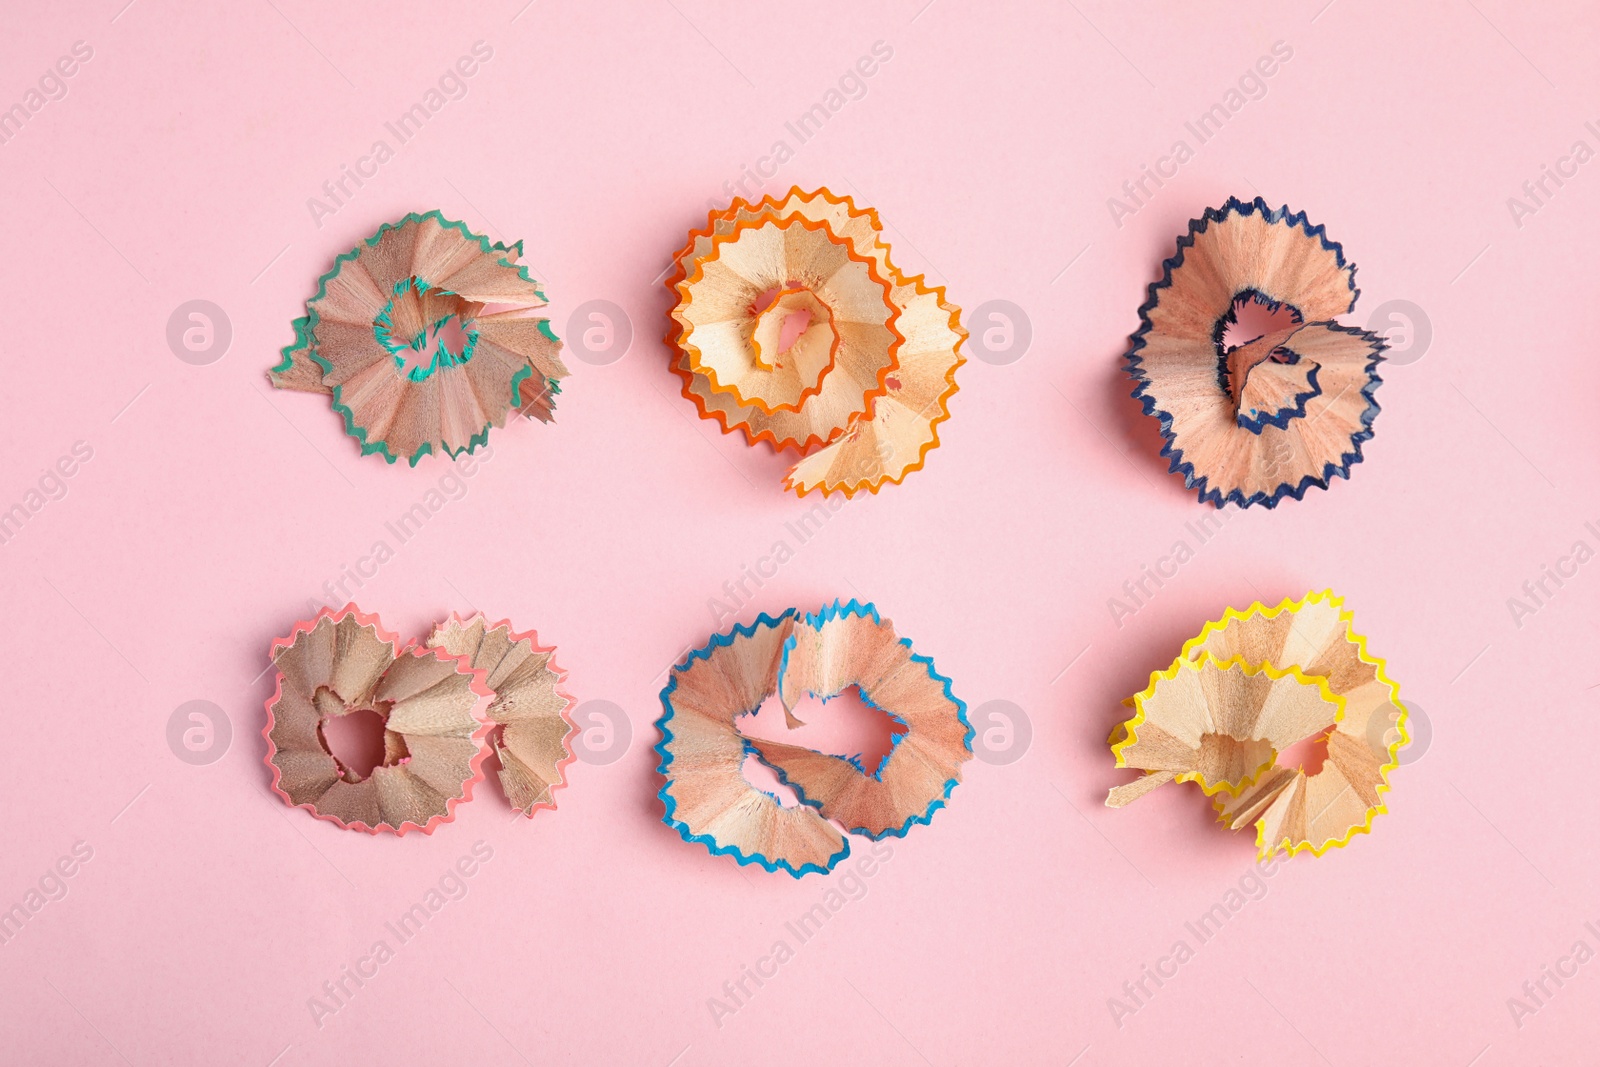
(178, 166)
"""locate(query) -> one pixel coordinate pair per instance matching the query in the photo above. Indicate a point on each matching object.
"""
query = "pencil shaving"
(1243, 691)
(865, 416)
(423, 337)
(533, 736)
(849, 645)
(473, 686)
(433, 706)
(1265, 419)
(706, 795)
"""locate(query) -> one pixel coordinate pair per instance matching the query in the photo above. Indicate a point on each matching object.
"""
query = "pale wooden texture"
(431, 735)
(1312, 638)
(1123, 795)
(1274, 389)
(1232, 257)
(532, 740)
(719, 318)
(303, 374)
(812, 351)
(1250, 374)
(882, 438)
(1344, 794)
(903, 427)
(705, 777)
(421, 273)
(510, 334)
(1222, 723)
(848, 650)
